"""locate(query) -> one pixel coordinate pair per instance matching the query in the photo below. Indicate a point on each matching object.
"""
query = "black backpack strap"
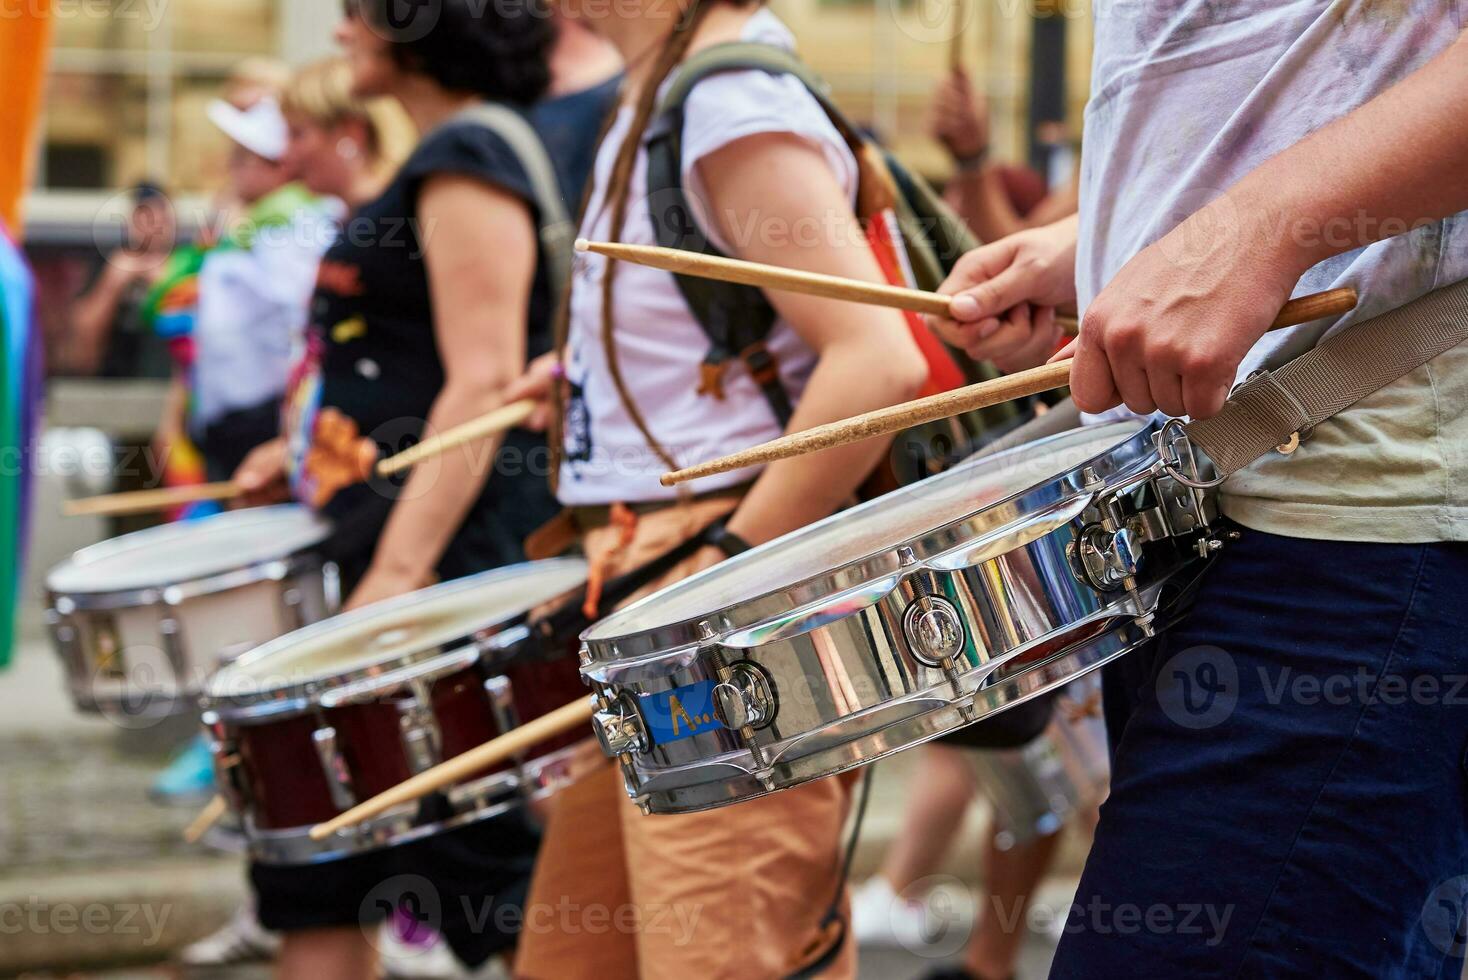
(737, 319)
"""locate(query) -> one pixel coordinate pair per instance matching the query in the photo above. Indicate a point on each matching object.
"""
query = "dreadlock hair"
(619, 192)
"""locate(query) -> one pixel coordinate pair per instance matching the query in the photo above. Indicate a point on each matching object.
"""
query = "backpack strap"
(737, 319)
(557, 233)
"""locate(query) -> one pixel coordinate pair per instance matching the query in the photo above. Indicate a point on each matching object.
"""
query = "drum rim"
(266, 703)
(173, 591)
(677, 639)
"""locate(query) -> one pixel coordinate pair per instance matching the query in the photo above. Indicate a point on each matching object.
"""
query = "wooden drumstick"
(207, 818)
(955, 43)
(502, 419)
(144, 501)
(771, 277)
(949, 403)
(462, 766)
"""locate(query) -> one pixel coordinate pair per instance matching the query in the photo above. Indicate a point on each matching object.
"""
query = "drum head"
(367, 642)
(876, 528)
(187, 551)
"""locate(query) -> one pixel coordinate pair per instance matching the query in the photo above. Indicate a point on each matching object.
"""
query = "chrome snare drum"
(900, 620)
(141, 620)
(309, 725)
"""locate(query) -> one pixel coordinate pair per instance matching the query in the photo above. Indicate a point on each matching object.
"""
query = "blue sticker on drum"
(680, 713)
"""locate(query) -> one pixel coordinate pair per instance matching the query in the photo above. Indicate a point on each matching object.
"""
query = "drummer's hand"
(262, 476)
(537, 383)
(1169, 331)
(992, 285)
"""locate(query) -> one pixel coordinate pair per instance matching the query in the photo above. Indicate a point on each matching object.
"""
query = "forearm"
(1392, 164)
(981, 201)
(849, 379)
(90, 319)
(440, 492)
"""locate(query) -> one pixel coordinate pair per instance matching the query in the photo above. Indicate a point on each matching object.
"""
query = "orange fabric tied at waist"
(624, 519)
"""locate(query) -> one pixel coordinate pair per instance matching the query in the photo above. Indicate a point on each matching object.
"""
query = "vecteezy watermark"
(1445, 917)
(149, 12)
(38, 917)
(1198, 687)
(1159, 919)
(413, 907)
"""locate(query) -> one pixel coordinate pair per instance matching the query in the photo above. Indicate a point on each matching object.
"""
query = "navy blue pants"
(1288, 796)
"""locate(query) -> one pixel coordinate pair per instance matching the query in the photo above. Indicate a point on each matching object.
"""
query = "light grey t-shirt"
(1187, 97)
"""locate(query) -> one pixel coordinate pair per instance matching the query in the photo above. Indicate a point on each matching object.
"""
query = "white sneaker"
(416, 961)
(240, 940)
(881, 917)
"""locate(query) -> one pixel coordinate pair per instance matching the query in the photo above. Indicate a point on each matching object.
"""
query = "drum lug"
(619, 729)
(171, 632)
(292, 600)
(745, 698)
(422, 740)
(934, 630)
(334, 766)
(227, 762)
(502, 702)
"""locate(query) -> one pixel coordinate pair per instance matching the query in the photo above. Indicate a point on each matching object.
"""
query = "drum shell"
(842, 672)
(146, 653)
(290, 755)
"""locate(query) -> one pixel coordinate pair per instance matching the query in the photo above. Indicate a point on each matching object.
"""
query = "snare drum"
(308, 725)
(141, 620)
(903, 619)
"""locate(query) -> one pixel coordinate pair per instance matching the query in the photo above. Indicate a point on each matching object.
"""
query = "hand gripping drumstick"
(783, 280)
(502, 419)
(949, 403)
(462, 766)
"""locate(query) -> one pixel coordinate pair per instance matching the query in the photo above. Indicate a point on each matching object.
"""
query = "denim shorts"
(1288, 792)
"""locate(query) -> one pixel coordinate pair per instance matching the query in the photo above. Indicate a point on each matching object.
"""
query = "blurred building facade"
(130, 78)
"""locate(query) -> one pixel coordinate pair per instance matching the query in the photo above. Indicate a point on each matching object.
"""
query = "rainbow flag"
(20, 401)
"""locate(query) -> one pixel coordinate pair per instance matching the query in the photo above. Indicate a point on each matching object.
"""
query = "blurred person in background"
(423, 315)
(232, 312)
(347, 149)
(107, 336)
(252, 290)
(997, 199)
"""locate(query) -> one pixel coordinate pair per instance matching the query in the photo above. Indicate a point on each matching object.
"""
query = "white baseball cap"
(261, 129)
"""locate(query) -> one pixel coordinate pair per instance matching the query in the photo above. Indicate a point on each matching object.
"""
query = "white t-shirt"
(253, 306)
(1187, 98)
(660, 345)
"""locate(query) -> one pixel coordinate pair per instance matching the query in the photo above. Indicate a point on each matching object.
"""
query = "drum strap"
(1277, 409)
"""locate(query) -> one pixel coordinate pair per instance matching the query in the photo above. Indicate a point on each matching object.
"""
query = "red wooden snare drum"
(306, 726)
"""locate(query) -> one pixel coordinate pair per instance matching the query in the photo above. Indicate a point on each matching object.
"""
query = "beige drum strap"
(1277, 408)
(557, 233)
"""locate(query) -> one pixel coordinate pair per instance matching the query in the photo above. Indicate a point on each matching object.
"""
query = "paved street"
(104, 880)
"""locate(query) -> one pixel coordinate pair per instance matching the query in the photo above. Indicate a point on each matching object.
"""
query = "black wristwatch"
(719, 535)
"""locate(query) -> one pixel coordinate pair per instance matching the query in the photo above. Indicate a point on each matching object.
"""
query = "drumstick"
(462, 766)
(502, 419)
(785, 280)
(955, 43)
(771, 277)
(143, 501)
(949, 403)
(207, 818)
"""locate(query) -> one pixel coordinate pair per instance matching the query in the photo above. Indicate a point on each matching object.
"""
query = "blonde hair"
(322, 93)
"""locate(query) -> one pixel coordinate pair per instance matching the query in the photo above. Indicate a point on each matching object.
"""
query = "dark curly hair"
(496, 49)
